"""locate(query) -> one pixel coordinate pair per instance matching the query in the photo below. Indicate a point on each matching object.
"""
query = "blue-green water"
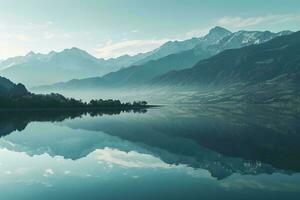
(164, 153)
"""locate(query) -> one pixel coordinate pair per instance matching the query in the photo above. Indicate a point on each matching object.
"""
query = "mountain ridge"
(264, 73)
(211, 45)
(75, 63)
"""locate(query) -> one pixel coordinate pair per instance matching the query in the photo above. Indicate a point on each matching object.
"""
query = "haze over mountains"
(39, 69)
(265, 73)
(222, 67)
(43, 69)
(274, 58)
(35, 68)
(182, 55)
(248, 66)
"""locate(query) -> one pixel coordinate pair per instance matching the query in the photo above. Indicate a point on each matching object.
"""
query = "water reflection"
(246, 141)
(18, 120)
(169, 152)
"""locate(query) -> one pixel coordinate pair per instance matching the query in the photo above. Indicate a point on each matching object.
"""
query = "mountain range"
(265, 73)
(194, 50)
(35, 68)
(39, 69)
(248, 66)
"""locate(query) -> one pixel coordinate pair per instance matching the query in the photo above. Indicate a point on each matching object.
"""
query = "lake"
(170, 152)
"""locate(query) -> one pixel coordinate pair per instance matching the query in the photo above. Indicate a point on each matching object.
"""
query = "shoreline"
(121, 108)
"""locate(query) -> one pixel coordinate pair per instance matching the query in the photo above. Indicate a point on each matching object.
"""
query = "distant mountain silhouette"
(39, 69)
(35, 68)
(194, 50)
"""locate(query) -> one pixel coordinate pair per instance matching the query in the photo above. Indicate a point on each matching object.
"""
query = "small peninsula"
(17, 97)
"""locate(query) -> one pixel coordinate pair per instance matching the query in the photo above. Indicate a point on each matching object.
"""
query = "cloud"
(49, 23)
(129, 159)
(23, 38)
(8, 172)
(67, 172)
(197, 33)
(67, 35)
(4, 36)
(130, 47)
(9, 50)
(240, 22)
(2, 26)
(48, 36)
(48, 172)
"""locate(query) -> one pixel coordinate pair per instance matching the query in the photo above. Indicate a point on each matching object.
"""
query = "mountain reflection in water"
(250, 140)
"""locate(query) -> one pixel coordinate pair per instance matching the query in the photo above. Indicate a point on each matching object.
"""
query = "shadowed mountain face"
(272, 59)
(8, 88)
(174, 47)
(177, 56)
(268, 71)
(222, 140)
(5, 84)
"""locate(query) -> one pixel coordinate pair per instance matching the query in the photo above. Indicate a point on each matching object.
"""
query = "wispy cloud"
(196, 33)
(17, 39)
(130, 159)
(67, 35)
(130, 47)
(23, 38)
(48, 172)
(48, 35)
(240, 22)
(49, 23)
(9, 50)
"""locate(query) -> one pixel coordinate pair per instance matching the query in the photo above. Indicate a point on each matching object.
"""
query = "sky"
(111, 28)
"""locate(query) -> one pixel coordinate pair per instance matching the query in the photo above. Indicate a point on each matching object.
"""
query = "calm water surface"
(171, 152)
